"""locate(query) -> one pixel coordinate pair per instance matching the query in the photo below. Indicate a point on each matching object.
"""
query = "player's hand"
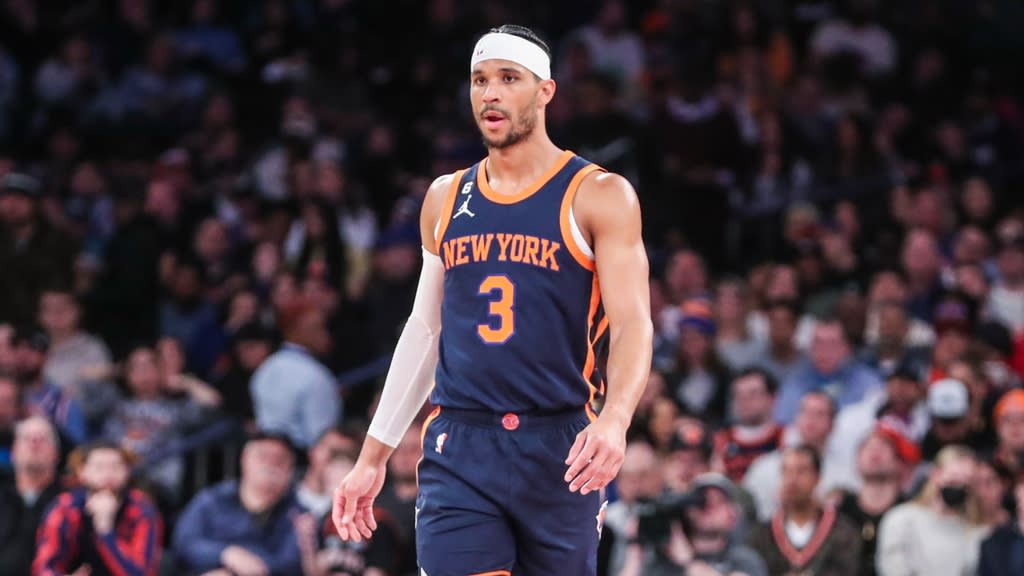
(353, 502)
(596, 456)
(242, 562)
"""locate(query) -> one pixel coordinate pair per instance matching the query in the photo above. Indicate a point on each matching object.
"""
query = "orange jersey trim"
(588, 367)
(490, 194)
(564, 214)
(446, 209)
(423, 437)
(493, 573)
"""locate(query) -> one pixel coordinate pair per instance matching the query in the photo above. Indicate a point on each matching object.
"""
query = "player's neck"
(524, 162)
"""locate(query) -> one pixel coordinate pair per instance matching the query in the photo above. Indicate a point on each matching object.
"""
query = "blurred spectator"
(1006, 300)
(319, 250)
(104, 526)
(733, 342)
(32, 254)
(857, 33)
(251, 345)
(701, 539)
(189, 318)
(937, 533)
(1001, 553)
(889, 286)
(804, 535)
(6, 348)
(398, 497)
(892, 347)
(813, 427)
(781, 357)
(314, 492)
(10, 412)
(700, 380)
(39, 396)
(949, 409)
(994, 344)
(692, 447)
(953, 328)
(613, 48)
(245, 526)
(23, 501)
(902, 405)
(991, 486)
(753, 432)
(879, 463)
(922, 263)
(830, 368)
(639, 480)
(75, 356)
(292, 391)
(325, 553)
(1009, 423)
(150, 418)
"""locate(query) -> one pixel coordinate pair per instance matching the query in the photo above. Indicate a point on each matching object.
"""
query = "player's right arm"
(407, 385)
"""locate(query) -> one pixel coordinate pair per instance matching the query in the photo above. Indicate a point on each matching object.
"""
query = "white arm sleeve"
(411, 375)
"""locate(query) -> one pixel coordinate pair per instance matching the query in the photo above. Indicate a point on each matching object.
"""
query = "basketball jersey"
(521, 321)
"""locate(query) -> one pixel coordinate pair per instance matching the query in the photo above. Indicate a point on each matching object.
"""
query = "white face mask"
(997, 373)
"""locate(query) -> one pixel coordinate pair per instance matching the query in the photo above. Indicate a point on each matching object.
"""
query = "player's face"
(507, 100)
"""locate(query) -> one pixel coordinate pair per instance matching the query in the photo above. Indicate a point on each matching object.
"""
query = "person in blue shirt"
(40, 397)
(245, 526)
(829, 368)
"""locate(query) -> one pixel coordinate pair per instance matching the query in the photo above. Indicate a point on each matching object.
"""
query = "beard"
(519, 132)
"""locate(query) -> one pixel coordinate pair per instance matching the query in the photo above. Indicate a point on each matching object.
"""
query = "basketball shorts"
(493, 499)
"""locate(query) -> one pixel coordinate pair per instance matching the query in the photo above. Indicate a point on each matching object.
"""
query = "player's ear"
(546, 92)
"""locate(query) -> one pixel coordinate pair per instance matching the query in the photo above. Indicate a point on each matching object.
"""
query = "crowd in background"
(209, 211)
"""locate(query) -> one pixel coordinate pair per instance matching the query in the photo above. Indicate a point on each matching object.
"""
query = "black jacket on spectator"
(18, 523)
(44, 260)
(1002, 553)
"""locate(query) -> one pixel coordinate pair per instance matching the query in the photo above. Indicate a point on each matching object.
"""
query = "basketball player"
(514, 455)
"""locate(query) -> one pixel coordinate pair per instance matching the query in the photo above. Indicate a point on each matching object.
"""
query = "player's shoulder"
(606, 188)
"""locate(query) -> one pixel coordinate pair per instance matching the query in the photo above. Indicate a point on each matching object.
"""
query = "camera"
(655, 517)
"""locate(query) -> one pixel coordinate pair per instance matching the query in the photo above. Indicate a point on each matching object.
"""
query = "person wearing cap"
(32, 253)
(1009, 422)
(805, 536)
(245, 526)
(703, 540)
(902, 402)
(883, 461)
(938, 531)
(949, 410)
(700, 381)
(691, 448)
(38, 394)
(830, 367)
(1002, 553)
(953, 321)
(1006, 298)
(251, 345)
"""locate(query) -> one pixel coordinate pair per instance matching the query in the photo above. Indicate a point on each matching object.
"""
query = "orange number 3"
(503, 321)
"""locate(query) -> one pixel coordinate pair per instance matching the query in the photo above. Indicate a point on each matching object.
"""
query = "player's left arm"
(608, 211)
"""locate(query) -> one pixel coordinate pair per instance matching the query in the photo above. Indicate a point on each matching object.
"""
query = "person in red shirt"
(754, 431)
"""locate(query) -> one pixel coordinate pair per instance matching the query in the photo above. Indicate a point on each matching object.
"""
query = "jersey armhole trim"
(572, 236)
(446, 210)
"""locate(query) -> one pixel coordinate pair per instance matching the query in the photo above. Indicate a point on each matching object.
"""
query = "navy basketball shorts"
(493, 499)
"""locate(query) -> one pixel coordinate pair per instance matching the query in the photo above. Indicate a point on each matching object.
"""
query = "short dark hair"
(833, 409)
(524, 33)
(811, 452)
(771, 384)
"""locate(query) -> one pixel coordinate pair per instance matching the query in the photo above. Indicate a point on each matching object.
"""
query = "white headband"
(501, 46)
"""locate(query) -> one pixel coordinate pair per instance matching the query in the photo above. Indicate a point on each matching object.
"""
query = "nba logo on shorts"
(439, 444)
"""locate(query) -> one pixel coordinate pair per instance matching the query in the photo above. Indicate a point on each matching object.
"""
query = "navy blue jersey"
(521, 320)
